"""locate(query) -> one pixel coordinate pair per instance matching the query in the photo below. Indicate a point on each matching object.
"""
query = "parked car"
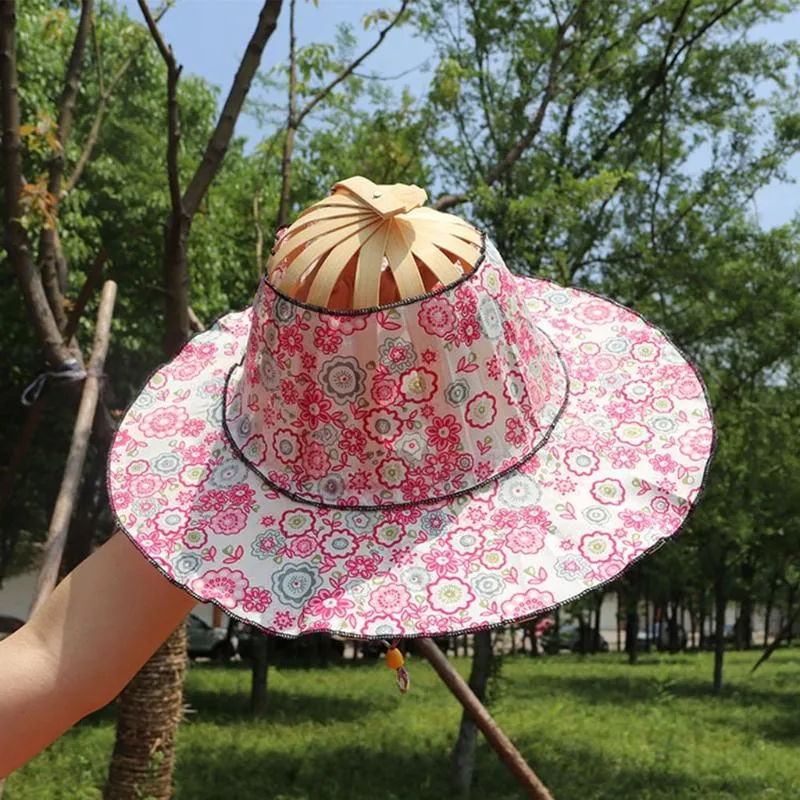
(571, 637)
(204, 640)
(8, 625)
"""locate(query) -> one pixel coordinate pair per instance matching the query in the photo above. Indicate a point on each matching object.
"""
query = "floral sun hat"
(467, 457)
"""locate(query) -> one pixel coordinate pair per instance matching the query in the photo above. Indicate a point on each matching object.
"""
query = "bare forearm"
(31, 715)
(82, 647)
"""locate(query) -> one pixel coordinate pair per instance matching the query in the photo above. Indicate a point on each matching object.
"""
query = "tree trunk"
(260, 673)
(534, 640)
(648, 624)
(324, 650)
(596, 628)
(464, 750)
(148, 712)
(768, 610)
(790, 613)
(632, 623)
(176, 283)
(682, 622)
(673, 642)
(720, 603)
(557, 630)
(744, 626)
(702, 620)
(52, 266)
(744, 634)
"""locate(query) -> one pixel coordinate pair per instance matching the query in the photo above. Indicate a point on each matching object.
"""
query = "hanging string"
(69, 370)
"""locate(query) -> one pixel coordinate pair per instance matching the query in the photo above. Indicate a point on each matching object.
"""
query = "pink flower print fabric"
(408, 404)
(352, 409)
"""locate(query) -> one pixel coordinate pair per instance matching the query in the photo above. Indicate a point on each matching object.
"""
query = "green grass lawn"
(591, 727)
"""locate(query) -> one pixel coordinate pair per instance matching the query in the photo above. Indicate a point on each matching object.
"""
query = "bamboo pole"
(62, 512)
(502, 745)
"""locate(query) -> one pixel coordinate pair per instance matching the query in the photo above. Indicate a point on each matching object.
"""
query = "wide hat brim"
(618, 476)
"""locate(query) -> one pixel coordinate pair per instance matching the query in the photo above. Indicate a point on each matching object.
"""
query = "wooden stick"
(194, 321)
(62, 512)
(503, 746)
(776, 642)
(36, 413)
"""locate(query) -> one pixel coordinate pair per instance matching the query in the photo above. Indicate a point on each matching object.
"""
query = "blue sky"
(208, 37)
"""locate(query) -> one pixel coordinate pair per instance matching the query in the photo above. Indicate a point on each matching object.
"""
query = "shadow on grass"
(636, 689)
(208, 772)
(342, 773)
(777, 717)
(286, 708)
(785, 727)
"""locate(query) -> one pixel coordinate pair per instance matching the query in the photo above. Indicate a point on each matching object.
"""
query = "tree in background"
(151, 706)
(618, 146)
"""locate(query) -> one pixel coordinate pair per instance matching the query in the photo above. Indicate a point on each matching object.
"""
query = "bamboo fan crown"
(368, 245)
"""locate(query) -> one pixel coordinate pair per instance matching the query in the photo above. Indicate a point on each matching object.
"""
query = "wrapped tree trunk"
(148, 713)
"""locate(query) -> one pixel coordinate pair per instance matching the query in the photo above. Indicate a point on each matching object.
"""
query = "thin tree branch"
(218, 144)
(70, 92)
(163, 48)
(668, 61)
(259, 236)
(16, 238)
(535, 125)
(777, 641)
(173, 111)
(93, 277)
(174, 139)
(487, 102)
(354, 65)
(51, 263)
(466, 140)
(291, 126)
(184, 207)
(98, 61)
(295, 118)
(105, 96)
(662, 168)
(395, 77)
